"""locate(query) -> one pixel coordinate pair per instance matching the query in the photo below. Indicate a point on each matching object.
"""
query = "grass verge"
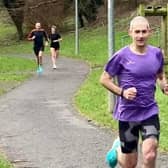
(14, 71)
(91, 100)
(4, 163)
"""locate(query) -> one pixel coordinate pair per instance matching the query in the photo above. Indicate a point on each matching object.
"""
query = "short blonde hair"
(138, 19)
(54, 27)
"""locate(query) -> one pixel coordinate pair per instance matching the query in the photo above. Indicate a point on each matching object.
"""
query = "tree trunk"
(16, 11)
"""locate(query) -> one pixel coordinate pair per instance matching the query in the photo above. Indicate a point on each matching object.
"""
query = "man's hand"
(130, 93)
(33, 37)
(55, 41)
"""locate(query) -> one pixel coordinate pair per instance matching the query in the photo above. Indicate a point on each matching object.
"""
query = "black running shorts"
(37, 49)
(129, 132)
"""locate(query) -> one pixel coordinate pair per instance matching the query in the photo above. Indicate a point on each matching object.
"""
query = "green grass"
(92, 99)
(14, 70)
(6, 32)
(93, 45)
(88, 46)
(163, 101)
(18, 48)
(15, 64)
(4, 163)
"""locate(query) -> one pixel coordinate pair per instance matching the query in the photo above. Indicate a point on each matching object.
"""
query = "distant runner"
(55, 38)
(38, 35)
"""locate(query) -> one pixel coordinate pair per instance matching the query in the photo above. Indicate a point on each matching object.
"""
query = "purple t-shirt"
(139, 71)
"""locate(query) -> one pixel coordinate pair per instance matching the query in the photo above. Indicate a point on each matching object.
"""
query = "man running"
(38, 35)
(137, 66)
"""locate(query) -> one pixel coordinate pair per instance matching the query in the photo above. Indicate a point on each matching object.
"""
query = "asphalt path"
(40, 128)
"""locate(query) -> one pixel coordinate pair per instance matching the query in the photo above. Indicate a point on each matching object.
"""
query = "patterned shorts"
(129, 132)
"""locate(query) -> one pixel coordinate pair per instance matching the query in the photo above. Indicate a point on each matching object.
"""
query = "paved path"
(39, 128)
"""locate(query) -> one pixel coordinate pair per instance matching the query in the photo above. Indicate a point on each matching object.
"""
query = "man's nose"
(141, 34)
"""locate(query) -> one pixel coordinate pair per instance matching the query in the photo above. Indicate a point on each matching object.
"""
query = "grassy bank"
(4, 163)
(13, 71)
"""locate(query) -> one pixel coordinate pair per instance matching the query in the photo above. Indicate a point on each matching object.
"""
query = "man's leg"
(149, 152)
(150, 135)
(36, 52)
(40, 54)
(128, 160)
(129, 136)
(124, 149)
(115, 155)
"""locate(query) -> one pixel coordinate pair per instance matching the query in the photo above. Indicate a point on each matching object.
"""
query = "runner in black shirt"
(55, 38)
(38, 35)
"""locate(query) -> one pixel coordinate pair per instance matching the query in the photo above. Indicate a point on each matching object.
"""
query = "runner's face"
(139, 33)
(38, 26)
(52, 30)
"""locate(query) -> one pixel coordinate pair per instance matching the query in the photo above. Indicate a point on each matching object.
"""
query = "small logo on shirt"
(130, 62)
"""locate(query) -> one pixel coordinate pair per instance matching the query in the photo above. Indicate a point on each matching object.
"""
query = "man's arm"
(162, 81)
(31, 36)
(108, 82)
(60, 39)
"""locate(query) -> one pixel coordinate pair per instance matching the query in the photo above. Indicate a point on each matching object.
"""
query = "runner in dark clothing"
(55, 38)
(38, 35)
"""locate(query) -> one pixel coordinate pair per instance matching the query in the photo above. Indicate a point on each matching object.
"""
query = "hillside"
(123, 12)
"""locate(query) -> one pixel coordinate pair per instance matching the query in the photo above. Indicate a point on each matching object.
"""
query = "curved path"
(39, 128)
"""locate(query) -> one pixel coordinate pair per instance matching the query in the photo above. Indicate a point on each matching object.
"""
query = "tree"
(88, 10)
(16, 11)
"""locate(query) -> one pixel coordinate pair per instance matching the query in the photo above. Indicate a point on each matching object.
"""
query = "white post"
(111, 44)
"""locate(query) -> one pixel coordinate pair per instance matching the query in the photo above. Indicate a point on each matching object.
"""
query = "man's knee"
(128, 160)
(149, 157)
(149, 150)
(127, 164)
